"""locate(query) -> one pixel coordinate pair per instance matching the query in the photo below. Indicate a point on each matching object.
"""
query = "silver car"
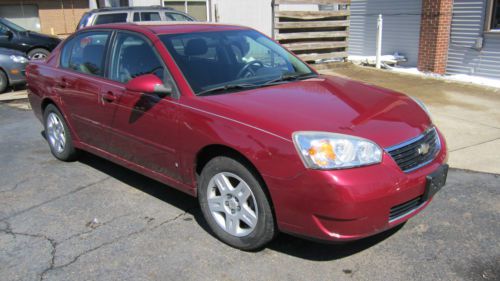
(12, 65)
(131, 14)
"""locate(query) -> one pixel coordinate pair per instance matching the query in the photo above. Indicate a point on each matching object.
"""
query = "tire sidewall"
(4, 81)
(265, 228)
(38, 50)
(69, 151)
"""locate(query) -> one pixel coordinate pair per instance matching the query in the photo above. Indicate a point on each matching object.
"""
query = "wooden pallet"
(315, 36)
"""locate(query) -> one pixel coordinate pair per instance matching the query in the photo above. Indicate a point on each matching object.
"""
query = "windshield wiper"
(225, 88)
(289, 77)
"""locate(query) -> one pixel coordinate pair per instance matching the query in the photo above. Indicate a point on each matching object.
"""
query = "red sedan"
(228, 115)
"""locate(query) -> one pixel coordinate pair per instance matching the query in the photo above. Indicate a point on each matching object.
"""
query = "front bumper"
(349, 204)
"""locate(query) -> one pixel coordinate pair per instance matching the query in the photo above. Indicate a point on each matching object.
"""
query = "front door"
(145, 124)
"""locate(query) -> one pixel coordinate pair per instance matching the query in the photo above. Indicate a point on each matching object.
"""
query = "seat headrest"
(196, 47)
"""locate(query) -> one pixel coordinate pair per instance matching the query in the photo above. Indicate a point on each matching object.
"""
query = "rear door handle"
(109, 97)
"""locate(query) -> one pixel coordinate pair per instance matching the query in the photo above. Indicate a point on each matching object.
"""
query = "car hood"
(43, 37)
(329, 104)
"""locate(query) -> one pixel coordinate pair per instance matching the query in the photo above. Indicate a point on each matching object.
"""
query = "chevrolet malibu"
(228, 115)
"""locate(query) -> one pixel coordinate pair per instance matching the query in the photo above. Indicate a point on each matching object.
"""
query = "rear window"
(111, 18)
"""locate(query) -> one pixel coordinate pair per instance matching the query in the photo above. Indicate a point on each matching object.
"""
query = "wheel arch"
(211, 151)
(45, 102)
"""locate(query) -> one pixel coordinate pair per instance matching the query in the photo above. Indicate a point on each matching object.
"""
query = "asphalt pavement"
(94, 220)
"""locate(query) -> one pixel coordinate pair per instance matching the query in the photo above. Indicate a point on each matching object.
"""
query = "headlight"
(322, 150)
(19, 59)
(422, 105)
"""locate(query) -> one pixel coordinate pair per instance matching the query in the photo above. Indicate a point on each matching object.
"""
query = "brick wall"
(58, 16)
(434, 35)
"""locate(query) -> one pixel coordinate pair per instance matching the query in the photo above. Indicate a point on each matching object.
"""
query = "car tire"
(4, 81)
(235, 205)
(38, 54)
(58, 135)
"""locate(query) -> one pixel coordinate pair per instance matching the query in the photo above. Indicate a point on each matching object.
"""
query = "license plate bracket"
(435, 181)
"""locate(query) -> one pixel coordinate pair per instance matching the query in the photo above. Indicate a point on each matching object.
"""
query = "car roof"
(172, 27)
(135, 8)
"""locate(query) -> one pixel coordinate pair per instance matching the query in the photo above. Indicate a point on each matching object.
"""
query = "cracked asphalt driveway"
(93, 220)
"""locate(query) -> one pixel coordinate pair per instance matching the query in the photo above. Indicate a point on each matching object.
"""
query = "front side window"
(3, 29)
(85, 53)
(133, 56)
(146, 16)
(111, 18)
(213, 59)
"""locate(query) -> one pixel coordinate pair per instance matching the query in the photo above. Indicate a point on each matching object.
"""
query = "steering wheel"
(248, 68)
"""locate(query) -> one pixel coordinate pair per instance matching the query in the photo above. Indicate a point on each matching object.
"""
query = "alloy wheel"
(56, 133)
(38, 56)
(232, 204)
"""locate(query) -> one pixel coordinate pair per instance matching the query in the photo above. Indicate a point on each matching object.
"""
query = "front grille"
(416, 152)
(405, 208)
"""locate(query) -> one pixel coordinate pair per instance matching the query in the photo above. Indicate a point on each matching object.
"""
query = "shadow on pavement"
(323, 251)
(284, 243)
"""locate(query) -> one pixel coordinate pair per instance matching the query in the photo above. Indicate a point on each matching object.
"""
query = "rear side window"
(85, 53)
(176, 17)
(147, 16)
(111, 18)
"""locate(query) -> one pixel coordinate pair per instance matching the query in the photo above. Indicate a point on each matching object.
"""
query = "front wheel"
(235, 205)
(58, 135)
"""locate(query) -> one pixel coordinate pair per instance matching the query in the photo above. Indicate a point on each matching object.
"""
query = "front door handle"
(64, 83)
(109, 97)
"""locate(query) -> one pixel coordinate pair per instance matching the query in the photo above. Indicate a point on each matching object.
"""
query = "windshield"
(12, 25)
(225, 59)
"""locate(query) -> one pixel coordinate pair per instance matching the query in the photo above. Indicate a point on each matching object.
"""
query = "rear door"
(79, 85)
(144, 124)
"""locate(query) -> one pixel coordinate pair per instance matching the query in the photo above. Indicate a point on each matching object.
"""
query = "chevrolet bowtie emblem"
(423, 149)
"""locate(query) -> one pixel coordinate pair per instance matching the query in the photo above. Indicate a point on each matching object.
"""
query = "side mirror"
(149, 83)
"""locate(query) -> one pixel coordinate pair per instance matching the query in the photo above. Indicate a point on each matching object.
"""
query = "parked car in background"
(131, 14)
(35, 45)
(226, 114)
(12, 65)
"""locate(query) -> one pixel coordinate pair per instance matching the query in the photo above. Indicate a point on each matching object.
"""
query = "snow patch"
(464, 78)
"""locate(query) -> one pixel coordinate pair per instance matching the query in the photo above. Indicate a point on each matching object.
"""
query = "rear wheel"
(58, 135)
(235, 205)
(38, 54)
(4, 82)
